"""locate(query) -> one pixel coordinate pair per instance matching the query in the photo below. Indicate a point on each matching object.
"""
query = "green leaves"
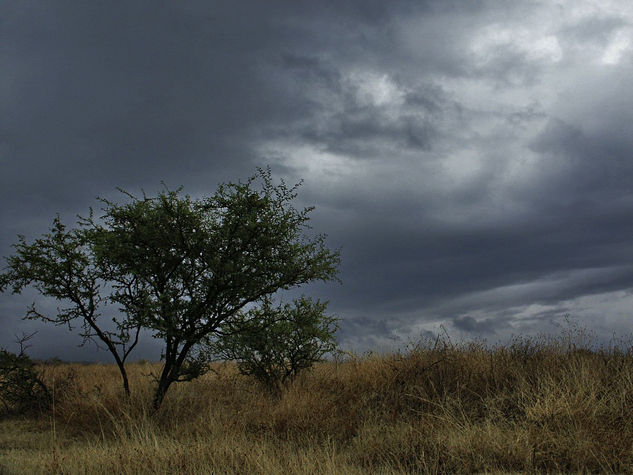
(60, 265)
(63, 265)
(274, 344)
(200, 261)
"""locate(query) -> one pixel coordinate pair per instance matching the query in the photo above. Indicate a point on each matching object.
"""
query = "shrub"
(274, 344)
(21, 389)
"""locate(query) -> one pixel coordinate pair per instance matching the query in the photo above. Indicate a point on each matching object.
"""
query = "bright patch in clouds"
(375, 89)
(495, 39)
(619, 45)
(308, 161)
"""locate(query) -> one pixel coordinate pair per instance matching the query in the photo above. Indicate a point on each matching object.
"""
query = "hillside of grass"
(544, 405)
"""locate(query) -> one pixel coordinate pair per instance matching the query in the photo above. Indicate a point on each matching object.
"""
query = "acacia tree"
(194, 264)
(62, 264)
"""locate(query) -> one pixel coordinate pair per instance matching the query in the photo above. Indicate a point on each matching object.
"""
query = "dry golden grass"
(532, 406)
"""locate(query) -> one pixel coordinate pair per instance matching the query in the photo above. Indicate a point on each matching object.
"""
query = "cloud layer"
(471, 159)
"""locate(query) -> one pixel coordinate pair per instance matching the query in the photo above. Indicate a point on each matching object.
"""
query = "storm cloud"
(472, 160)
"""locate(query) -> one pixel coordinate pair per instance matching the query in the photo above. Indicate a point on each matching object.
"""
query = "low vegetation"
(21, 389)
(543, 405)
(275, 344)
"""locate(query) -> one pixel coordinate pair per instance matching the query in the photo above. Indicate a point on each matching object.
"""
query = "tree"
(176, 266)
(182, 267)
(62, 265)
(274, 344)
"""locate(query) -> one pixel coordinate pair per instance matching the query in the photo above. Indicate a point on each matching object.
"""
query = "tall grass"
(534, 405)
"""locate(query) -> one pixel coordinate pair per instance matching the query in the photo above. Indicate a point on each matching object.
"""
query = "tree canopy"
(62, 265)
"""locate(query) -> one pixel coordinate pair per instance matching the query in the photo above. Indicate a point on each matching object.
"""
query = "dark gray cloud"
(471, 159)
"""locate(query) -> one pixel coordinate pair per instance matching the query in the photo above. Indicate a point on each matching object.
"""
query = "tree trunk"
(170, 373)
(126, 383)
(159, 395)
(163, 385)
(119, 361)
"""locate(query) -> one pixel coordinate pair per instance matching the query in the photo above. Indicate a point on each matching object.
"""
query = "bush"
(275, 344)
(21, 389)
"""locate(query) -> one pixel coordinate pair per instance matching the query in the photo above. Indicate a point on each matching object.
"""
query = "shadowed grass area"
(530, 406)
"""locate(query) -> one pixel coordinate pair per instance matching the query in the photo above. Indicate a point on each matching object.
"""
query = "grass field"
(532, 406)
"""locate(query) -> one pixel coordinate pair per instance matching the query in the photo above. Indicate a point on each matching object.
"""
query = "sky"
(471, 159)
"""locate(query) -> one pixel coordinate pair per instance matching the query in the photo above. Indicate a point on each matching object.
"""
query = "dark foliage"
(275, 344)
(21, 389)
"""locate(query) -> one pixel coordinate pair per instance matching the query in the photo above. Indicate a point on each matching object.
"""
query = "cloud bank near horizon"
(471, 159)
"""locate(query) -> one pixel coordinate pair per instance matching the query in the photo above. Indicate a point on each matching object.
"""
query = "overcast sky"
(473, 160)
